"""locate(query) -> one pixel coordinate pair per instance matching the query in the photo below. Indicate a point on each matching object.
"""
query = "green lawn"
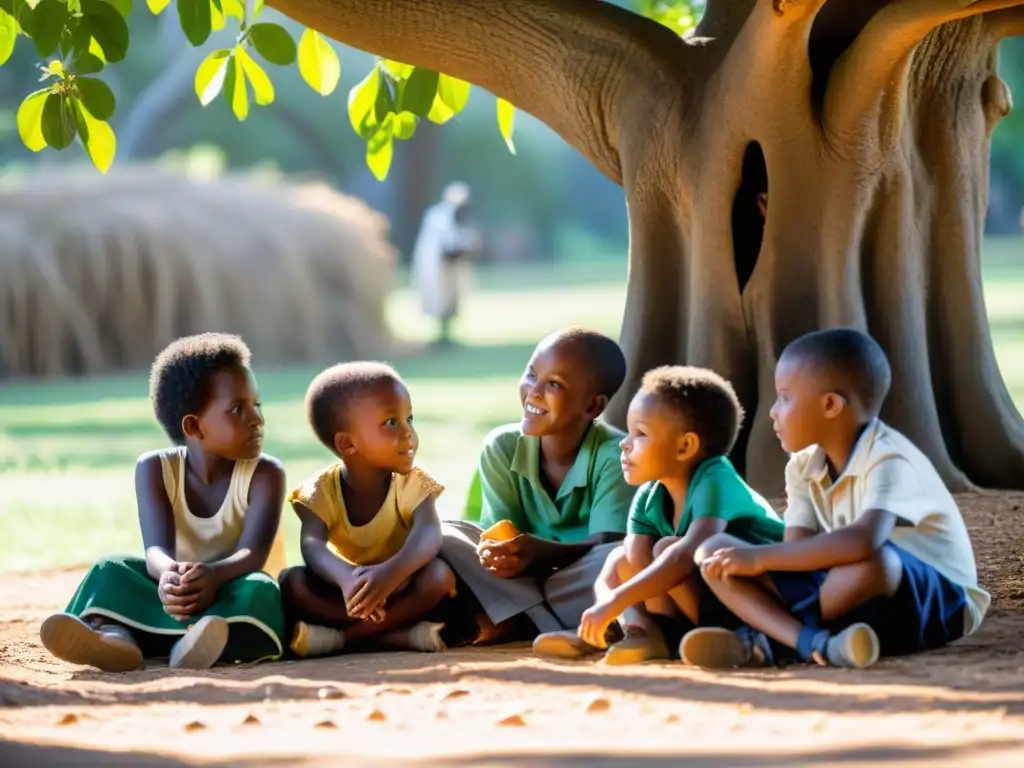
(67, 449)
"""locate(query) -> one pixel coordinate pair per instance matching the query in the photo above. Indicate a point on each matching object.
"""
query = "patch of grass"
(67, 448)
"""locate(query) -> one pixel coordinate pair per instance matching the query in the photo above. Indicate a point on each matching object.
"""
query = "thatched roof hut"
(100, 272)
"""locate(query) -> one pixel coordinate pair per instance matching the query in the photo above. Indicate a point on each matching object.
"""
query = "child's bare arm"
(639, 550)
(673, 566)
(374, 584)
(266, 497)
(853, 544)
(313, 539)
(156, 518)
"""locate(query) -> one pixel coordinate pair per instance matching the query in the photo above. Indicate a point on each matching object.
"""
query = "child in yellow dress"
(370, 531)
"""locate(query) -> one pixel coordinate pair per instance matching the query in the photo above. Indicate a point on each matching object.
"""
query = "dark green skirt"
(119, 588)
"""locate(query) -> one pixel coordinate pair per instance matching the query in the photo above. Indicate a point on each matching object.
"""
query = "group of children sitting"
(638, 546)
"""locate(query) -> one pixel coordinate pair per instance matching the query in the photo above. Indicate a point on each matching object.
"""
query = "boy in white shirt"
(876, 558)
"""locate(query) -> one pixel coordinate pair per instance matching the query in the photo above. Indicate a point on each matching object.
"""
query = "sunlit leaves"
(210, 75)
(30, 119)
(8, 34)
(48, 20)
(262, 88)
(506, 123)
(318, 63)
(196, 20)
(107, 27)
(96, 96)
(273, 43)
(678, 15)
(156, 7)
(58, 122)
(96, 136)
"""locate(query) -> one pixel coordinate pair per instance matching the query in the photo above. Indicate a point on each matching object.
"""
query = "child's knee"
(613, 563)
(436, 578)
(662, 544)
(711, 545)
(292, 583)
(878, 575)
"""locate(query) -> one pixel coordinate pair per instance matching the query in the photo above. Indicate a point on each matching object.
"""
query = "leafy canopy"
(78, 39)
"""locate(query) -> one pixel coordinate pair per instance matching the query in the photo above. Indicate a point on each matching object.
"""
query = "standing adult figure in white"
(447, 242)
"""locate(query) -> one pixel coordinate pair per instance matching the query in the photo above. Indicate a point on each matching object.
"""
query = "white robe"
(440, 280)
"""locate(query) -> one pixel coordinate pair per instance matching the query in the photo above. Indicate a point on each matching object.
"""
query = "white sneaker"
(202, 645)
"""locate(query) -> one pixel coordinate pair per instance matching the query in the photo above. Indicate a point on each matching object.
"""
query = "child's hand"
(508, 559)
(732, 561)
(176, 601)
(594, 624)
(201, 583)
(372, 585)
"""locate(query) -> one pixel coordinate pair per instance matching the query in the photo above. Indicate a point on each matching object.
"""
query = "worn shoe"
(564, 644)
(856, 646)
(70, 639)
(202, 645)
(637, 647)
(715, 648)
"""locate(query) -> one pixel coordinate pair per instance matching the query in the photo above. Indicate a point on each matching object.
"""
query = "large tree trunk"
(875, 145)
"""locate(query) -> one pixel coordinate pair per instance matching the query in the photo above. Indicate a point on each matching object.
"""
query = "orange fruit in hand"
(503, 530)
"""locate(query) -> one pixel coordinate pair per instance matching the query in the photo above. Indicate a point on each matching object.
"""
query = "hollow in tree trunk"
(867, 122)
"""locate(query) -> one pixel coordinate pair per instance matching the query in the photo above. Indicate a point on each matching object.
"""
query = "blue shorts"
(926, 612)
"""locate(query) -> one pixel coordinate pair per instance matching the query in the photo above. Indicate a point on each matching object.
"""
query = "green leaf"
(107, 27)
(96, 96)
(237, 90)
(440, 113)
(361, 101)
(318, 63)
(419, 92)
(124, 7)
(453, 92)
(262, 88)
(30, 119)
(156, 7)
(58, 123)
(380, 150)
(506, 123)
(217, 18)
(235, 8)
(196, 20)
(404, 125)
(210, 75)
(86, 64)
(48, 21)
(398, 69)
(273, 43)
(257, 9)
(96, 136)
(8, 34)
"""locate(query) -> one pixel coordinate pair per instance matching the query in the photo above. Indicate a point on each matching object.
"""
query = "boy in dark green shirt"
(557, 477)
(682, 424)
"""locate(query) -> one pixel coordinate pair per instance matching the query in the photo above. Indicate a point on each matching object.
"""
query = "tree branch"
(873, 70)
(579, 66)
(1005, 23)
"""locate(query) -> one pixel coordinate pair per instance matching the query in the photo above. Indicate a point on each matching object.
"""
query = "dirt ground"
(502, 707)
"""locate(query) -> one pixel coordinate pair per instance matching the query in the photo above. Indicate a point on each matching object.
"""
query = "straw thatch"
(100, 272)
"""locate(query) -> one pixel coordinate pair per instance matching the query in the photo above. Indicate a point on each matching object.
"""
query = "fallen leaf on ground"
(326, 724)
(512, 720)
(251, 720)
(69, 719)
(195, 725)
(376, 715)
(598, 704)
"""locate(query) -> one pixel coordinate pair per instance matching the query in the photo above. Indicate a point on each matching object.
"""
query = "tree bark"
(874, 119)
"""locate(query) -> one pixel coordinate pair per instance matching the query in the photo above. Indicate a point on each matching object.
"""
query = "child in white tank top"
(210, 514)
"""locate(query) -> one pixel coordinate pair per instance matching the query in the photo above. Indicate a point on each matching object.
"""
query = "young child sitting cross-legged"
(554, 482)
(370, 531)
(876, 560)
(210, 513)
(682, 424)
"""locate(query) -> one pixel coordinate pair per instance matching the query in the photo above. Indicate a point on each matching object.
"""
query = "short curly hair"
(179, 381)
(602, 355)
(852, 362)
(331, 393)
(706, 402)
